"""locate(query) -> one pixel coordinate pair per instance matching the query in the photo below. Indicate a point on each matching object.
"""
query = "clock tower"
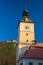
(25, 34)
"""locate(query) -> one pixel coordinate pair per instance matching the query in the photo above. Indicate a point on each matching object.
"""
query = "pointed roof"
(25, 12)
(25, 18)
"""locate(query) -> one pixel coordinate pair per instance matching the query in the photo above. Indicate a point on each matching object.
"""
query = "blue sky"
(11, 13)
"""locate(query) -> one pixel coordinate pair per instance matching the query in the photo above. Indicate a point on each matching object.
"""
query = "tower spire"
(25, 12)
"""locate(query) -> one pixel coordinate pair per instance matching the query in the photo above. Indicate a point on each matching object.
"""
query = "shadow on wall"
(23, 50)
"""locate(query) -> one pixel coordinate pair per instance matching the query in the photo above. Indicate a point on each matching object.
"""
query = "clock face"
(26, 27)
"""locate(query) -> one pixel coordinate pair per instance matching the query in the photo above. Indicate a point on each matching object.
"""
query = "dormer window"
(34, 42)
(26, 19)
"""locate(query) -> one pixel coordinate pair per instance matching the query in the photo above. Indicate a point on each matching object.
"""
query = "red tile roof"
(38, 45)
(35, 51)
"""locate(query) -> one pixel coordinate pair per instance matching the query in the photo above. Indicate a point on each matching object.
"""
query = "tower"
(25, 34)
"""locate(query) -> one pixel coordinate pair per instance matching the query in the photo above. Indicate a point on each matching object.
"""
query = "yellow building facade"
(26, 32)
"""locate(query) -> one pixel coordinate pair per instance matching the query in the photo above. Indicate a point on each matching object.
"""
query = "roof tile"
(35, 51)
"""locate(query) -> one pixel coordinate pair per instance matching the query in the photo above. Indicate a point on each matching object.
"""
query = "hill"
(7, 53)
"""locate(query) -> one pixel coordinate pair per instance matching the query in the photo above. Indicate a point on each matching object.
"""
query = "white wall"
(35, 61)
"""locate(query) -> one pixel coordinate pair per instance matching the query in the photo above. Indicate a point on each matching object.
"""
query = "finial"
(25, 11)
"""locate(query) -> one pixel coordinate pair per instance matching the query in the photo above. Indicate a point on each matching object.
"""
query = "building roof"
(35, 52)
(38, 45)
(25, 12)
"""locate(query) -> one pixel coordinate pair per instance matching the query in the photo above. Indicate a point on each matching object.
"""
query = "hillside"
(7, 53)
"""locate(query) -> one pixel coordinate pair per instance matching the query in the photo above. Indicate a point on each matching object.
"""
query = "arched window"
(26, 34)
(27, 40)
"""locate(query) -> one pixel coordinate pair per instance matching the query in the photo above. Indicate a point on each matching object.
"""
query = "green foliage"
(7, 53)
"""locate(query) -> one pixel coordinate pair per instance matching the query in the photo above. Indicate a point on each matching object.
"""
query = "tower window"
(27, 40)
(27, 34)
